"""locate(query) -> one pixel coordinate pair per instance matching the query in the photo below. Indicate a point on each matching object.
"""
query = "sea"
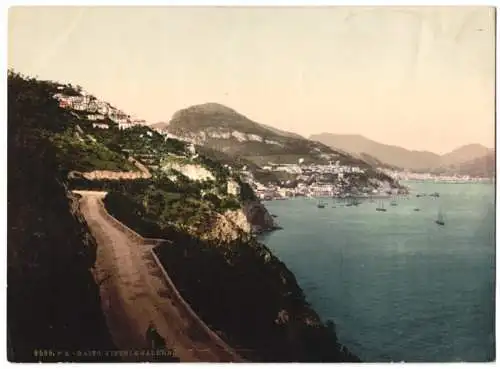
(398, 286)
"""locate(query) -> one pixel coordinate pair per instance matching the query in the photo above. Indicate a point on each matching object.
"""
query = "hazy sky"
(422, 78)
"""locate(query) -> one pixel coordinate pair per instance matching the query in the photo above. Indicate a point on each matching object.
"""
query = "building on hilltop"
(124, 125)
(100, 125)
(95, 116)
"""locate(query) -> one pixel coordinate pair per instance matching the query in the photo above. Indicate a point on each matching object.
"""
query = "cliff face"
(258, 217)
(252, 218)
(223, 228)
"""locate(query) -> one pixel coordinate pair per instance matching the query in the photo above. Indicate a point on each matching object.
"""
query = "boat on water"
(440, 218)
(321, 205)
(381, 207)
(435, 194)
(394, 203)
(416, 209)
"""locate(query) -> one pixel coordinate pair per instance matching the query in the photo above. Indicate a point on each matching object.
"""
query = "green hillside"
(210, 124)
(53, 300)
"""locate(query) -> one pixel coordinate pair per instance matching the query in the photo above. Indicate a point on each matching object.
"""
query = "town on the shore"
(309, 180)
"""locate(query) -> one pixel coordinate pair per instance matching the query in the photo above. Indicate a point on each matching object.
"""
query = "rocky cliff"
(258, 217)
(252, 218)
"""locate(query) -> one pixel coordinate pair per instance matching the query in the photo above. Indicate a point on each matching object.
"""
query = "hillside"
(392, 155)
(223, 129)
(53, 301)
(464, 154)
(376, 153)
(159, 125)
(192, 199)
(484, 166)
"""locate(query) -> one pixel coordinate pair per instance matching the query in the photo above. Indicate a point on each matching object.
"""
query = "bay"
(398, 286)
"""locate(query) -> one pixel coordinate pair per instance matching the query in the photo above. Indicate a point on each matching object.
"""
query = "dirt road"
(134, 292)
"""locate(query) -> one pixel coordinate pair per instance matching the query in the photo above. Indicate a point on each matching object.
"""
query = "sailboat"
(321, 205)
(381, 207)
(440, 218)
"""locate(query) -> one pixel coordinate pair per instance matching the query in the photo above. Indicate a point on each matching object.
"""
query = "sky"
(421, 78)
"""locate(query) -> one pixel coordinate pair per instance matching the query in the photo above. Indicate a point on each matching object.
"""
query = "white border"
(3, 109)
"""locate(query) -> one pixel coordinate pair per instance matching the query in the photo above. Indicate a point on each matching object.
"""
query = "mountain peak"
(210, 107)
(471, 147)
(401, 157)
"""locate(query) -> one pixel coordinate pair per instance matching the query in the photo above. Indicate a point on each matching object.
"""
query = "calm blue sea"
(398, 286)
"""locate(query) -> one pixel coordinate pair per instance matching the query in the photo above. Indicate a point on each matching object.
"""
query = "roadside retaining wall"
(155, 242)
(187, 308)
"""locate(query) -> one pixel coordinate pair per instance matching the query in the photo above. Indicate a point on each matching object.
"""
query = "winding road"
(136, 291)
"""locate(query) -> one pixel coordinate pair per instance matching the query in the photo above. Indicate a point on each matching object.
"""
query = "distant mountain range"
(473, 159)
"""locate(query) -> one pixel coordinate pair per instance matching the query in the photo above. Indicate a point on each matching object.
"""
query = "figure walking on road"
(155, 340)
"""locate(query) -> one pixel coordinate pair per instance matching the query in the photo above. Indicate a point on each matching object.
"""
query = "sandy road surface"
(134, 293)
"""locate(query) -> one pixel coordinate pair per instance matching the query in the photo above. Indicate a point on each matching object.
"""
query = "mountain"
(376, 154)
(392, 155)
(464, 154)
(221, 128)
(282, 133)
(483, 166)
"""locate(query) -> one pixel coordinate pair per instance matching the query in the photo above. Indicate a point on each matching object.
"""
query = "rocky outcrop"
(194, 172)
(258, 217)
(223, 228)
(252, 218)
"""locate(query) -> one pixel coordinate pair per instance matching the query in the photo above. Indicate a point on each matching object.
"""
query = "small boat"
(321, 205)
(435, 194)
(440, 218)
(416, 209)
(381, 207)
(394, 203)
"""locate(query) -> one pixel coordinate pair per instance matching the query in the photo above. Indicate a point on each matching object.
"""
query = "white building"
(124, 125)
(100, 125)
(95, 117)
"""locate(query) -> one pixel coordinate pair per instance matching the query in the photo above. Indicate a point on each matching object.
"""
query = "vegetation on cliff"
(235, 284)
(238, 287)
(52, 299)
(53, 303)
